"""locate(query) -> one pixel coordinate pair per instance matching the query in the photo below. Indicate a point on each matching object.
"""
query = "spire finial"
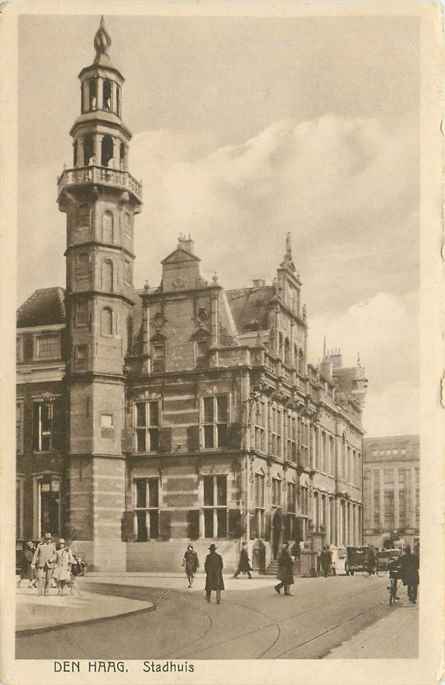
(288, 262)
(102, 43)
(288, 245)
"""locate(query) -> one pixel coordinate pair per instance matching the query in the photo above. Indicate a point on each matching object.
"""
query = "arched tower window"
(106, 321)
(88, 149)
(93, 93)
(107, 227)
(107, 150)
(107, 95)
(107, 275)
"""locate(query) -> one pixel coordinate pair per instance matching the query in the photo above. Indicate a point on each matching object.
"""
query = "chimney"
(186, 244)
(258, 282)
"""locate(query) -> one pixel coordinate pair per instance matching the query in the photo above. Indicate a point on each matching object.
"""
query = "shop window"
(147, 420)
(215, 506)
(214, 420)
(147, 508)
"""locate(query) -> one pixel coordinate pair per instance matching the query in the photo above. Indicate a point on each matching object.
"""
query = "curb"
(26, 632)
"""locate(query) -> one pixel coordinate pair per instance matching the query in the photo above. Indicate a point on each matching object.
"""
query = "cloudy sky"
(244, 129)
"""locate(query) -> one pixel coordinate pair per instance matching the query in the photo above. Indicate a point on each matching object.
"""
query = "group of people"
(49, 562)
(406, 569)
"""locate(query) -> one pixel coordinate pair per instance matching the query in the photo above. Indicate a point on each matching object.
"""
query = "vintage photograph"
(218, 450)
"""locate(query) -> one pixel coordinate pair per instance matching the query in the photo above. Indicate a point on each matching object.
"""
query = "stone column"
(100, 93)
(116, 152)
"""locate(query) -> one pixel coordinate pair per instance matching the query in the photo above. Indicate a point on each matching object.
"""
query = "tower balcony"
(99, 175)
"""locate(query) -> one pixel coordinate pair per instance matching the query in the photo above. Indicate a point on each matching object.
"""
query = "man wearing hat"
(43, 560)
(214, 578)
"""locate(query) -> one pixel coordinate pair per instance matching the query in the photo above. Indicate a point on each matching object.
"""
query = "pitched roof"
(180, 255)
(250, 307)
(46, 306)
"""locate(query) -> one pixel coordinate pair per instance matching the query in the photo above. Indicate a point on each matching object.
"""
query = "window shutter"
(58, 424)
(267, 526)
(35, 425)
(127, 526)
(165, 525)
(193, 438)
(234, 436)
(234, 523)
(193, 524)
(165, 441)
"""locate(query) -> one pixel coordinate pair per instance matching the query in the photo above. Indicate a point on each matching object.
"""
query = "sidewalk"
(36, 613)
(393, 636)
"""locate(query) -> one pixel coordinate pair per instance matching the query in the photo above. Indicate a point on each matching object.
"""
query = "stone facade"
(179, 412)
(392, 489)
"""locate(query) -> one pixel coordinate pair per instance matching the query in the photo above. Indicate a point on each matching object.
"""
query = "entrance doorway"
(48, 506)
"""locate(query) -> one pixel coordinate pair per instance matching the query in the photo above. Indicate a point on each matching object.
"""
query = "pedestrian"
(191, 564)
(76, 570)
(62, 570)
(27, 571)
(409, 573)
(325, 561)
(295, 550)
(285, 570)
(43, 561)
(244, 563)
(371, 561)
(214, 578)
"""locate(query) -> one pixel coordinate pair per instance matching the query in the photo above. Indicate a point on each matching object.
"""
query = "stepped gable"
(46, 306)
(250, 307)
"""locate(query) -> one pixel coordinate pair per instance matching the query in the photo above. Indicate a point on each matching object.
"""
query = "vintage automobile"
(356, 559)
(384, 557)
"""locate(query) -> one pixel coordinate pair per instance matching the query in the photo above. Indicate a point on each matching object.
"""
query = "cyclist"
(394, 575)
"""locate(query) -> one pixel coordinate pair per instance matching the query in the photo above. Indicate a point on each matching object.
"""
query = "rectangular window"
(82, 313)
(215, 506)
(147, 420)
(19, 425)
(81, 353)
(388, 509)
(215, 418)
(291, 497)
(259, 505)
(48, 346)
(43, 418)
(259, 426)
(276, 431)
(158, 357)
(276, 491)
(146, 508)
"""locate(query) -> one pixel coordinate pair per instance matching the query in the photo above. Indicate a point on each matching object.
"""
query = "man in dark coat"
(325, 561)
(244, 563)
(409, 573)
(214, 578)
(285, 570)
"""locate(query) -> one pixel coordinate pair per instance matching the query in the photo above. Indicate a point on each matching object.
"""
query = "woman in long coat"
(62, 571)
(190, 563)
(214, 578)
(285, 570)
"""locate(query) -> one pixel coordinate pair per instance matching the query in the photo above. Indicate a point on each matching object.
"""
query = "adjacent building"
(391, 489)
(150, 417)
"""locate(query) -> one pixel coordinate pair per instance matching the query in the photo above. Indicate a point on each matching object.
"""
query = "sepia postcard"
(222, 270)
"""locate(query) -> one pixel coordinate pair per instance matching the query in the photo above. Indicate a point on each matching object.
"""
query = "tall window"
(147, 508)
(403, 503)
(19, 424)
(259, 504)
(291, 498)
(107, 150)
(331, 460)
(304, 432)
(93, 93)
(315, 449)
(107, 227)
(260, 424)
(147, 426)
(107, 104)
(82, 265)
(48, 346)
(324, 457)
(106, 321)
(215, 506)
(47, 428)
(215, 418)
(291, 437)
(107, 275)
(276, 431)
(82, 313)
(158, 356)
(276, 492)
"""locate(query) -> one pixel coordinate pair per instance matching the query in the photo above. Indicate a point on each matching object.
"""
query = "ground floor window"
(47, 505)
(215, 506)
(146, 509)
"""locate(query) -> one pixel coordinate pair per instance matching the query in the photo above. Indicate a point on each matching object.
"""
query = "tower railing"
(101, 175)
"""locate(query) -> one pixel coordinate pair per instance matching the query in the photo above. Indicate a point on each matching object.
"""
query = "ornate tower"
(100, 199)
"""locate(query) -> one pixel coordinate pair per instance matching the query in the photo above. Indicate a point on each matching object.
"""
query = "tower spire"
(288, 261)
(102, 43)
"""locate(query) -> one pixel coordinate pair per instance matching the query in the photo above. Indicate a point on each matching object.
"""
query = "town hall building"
(148, 418)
